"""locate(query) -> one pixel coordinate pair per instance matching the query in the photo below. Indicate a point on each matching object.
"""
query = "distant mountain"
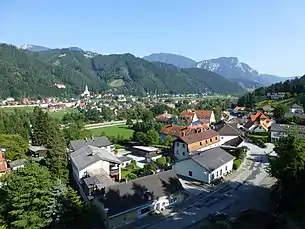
(237, 71)
(34, 48)
(229, 67)
(33, 74)
(176, 60)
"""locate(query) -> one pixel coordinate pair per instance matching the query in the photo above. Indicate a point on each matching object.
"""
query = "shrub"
(236, 164)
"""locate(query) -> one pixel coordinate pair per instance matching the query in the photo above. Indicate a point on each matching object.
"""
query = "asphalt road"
(250, 189)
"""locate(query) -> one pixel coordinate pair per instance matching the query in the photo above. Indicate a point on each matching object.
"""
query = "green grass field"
(58, 114)
(114, 131)
(286, 102)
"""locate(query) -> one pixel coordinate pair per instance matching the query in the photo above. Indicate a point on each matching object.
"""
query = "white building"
(227, 131)
(206, 166)
(86, 93)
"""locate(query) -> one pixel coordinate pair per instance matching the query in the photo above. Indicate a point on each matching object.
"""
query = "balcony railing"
(114, 171)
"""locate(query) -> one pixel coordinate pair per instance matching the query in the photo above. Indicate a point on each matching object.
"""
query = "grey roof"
(213, 158)
(248, 124)
(88, 155)
(296, 106)
(37, 148)
(285, 128)
(101, 181)
(292, 114)
(17, 163)
(228, 129)
(96, 141)
(124, 158)
(234, 142)
(125, 196)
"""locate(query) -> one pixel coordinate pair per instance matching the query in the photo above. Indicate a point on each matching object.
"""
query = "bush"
(236, 164)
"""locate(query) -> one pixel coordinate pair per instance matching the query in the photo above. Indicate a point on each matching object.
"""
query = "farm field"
(114, 131)
(58, 114)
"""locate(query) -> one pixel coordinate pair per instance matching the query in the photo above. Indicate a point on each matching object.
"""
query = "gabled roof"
(296, 106)
(197, 137)
(163, 117)
(235, 142)
(125, 196)
(285, 128)
(187, 114)
(88, 155)
(204, 114)
(212, 159)
(257, 116)
(227, 129)
(102, 141)
(179, 131)
(37, 148)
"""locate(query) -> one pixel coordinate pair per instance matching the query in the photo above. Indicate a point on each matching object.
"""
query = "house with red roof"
(257, 122)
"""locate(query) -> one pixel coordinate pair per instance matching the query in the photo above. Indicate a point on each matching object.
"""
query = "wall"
(277, 135)
(96, 166)
(212, 118)
(181, 149)
(199, 173)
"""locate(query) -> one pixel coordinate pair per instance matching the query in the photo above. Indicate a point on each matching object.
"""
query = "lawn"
(58, 114)
(285, 102)
(114, 131)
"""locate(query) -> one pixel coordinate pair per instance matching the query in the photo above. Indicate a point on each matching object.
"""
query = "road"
(245, 190)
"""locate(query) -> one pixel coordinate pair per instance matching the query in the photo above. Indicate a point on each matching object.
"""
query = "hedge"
(236, 164)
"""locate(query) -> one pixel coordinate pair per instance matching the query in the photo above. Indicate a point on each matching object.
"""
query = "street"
(249, 188)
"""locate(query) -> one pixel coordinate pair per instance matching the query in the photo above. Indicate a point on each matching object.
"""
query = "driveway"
(248, 188)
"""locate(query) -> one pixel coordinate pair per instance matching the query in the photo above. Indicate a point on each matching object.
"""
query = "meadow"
(122, 130)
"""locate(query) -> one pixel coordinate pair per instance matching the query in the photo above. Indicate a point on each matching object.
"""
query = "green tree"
(147, 115)
(152, 138)
(289, 169)
(129, 122)
(16, 146)
(40, 125)
(168, 141)
(76, 130)
(279, 112)
(27, 195)
(218, 113)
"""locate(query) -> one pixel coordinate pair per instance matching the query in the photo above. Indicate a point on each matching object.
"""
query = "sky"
(269, 35)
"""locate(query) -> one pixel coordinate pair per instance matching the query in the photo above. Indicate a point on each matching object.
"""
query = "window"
(183, 145)
(201, 143)
(213, 176)
(226, 168)
(211, 140)
(145, 210)
(177, 152)
(183, 153)
(177, 144)
(190, 173)
(221, 172)
(217, 174)
(215, 138)
(206, 141)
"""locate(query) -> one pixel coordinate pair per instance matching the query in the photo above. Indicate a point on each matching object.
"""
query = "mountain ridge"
(27, 74)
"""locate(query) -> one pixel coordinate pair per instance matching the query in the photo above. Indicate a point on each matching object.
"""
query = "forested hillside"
(32, 74)
(293, 87)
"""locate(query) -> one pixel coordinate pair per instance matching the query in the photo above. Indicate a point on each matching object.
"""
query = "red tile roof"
(197, 137)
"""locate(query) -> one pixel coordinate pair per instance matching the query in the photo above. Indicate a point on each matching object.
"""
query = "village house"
(183, 147)
(148, 152)
(227, 131)
(277, 95)
(100, 142)
(164, 118)
(37, 151)
(193, 117)
(281, 130)
(176, 131)
(295, 108)
(93, 164)
(257, 122)
(126, 202)
(3, 163)
(17, 164)
(206, 166)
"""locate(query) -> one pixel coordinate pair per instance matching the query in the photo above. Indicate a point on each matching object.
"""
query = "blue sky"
(269, 35)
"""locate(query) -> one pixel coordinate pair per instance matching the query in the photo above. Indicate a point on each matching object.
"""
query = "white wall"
(96, 166)
(277, 135)
(212, 118)
(199, 173)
